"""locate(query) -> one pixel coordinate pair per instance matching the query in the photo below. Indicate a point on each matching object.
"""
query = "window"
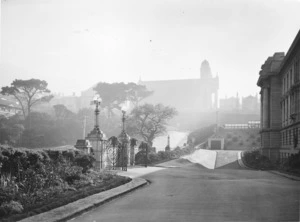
(296, 70)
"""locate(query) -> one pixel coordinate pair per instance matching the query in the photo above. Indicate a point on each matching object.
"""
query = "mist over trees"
(28, 93)
(60, 126)
(115, 94)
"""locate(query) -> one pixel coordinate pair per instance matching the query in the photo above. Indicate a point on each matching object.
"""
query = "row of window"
(291, 77)
(290, 108)
(290, 137)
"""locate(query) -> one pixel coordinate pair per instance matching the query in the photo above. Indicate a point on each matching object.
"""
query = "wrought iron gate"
(117, 154)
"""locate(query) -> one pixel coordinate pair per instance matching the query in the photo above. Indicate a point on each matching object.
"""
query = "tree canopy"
(149, 121)
(62, 113)
(28, 93)
(115, 94)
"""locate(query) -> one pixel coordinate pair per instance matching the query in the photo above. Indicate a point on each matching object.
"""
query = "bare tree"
(149, 121)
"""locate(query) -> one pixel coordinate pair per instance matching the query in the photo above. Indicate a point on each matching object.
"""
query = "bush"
(291, 163)
(11, 207)
(85, 161)
(255, 160)
(31, 176)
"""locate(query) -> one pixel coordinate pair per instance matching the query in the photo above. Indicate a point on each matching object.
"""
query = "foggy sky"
(73, 44)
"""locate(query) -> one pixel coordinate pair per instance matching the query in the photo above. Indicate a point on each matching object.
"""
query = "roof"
(293, 48)
(270, 67)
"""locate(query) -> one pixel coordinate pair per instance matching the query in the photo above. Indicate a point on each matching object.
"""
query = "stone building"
(186, 94)
(245, 105)
(231, 104)
(250, 104)
(280, 103)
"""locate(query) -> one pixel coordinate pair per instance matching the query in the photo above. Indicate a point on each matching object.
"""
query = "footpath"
(78, 207)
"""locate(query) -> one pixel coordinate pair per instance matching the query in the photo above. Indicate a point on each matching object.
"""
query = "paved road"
(190, 192)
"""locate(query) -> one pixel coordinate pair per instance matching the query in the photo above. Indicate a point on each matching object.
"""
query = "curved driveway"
(183, 191)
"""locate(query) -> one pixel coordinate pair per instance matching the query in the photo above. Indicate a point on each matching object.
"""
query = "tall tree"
(62, 112)
(149, 121)
(137, 93)
(28, 93)
(115, 94)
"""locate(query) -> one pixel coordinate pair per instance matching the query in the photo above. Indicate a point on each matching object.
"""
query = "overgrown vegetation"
(162, 156)
(201, 135)
(291, 164)
(34, 181)
(255, 160)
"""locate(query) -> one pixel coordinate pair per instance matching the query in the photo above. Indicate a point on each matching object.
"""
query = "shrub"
(31, 176)
(255, 160)
(85, 161)
(11, 207)
(154, 157)
(292, 162)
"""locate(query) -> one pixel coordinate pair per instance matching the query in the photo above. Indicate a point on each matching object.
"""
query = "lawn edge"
(77, 207)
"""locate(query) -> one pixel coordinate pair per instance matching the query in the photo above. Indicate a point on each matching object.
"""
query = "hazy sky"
(73, 44)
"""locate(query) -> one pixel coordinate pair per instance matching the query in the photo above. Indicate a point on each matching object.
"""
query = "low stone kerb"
(79, 206)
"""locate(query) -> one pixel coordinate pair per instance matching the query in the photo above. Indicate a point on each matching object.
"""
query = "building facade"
(231, 104)
(186, 94)
(250, 104)
(280, 103)
(245, 105)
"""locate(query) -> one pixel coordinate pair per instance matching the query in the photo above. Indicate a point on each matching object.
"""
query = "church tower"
(208, 87)
(205, 71)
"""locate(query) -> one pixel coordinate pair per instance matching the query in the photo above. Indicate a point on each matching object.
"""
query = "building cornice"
(295, 45)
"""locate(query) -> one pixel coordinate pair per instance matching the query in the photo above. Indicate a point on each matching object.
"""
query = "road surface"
(184, 191)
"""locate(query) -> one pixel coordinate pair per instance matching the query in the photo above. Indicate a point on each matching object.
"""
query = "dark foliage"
(291, 164)
(28, 177)
(162, 156)
(255, 160)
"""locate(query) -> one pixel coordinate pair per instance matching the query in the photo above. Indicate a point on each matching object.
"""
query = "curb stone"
(285, 175)
(75, 208)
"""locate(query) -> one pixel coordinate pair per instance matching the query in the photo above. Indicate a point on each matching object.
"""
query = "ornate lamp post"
(97, 101)
(124, 138)
(96, 135)
(168, 148)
